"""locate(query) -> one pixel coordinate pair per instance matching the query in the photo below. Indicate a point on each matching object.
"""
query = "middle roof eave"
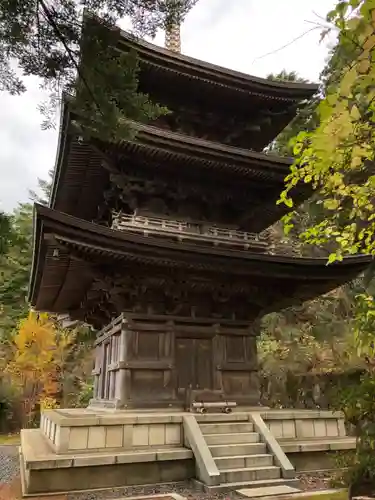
(87, 234)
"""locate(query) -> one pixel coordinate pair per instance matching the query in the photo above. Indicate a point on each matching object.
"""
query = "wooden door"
(193, 365)
(203, 364)
(185, 362)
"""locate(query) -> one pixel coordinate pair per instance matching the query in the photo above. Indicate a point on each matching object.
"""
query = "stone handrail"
(207, 470)
(282, 461)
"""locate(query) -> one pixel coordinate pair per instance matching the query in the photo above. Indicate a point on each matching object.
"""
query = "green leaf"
(332, 258)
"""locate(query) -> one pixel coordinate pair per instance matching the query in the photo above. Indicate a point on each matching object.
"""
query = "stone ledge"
(300, 414)
(306, 445)
(38, 455)
(94, 417)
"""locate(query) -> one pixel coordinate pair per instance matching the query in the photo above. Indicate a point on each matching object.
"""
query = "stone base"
(44, 471)
(94, 449)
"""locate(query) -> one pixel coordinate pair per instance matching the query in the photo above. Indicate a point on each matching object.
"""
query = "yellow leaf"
(363, 67)
(354, 113)
(331, 204)
(369, 42)
(348, 81)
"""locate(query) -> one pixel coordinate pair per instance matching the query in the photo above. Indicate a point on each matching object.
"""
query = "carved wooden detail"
(180, 295)
(193, 198)
(222, 125)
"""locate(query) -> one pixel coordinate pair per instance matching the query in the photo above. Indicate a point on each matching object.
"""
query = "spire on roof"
(173, 37)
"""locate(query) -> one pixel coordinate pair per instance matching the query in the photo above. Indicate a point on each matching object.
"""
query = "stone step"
(264, 483)
(236, 462)
(221, 417)
(230, 450)
(249, 474)
(226, 428)
(269, 491)
(241, 438)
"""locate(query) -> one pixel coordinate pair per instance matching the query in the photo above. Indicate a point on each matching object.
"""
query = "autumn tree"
(40, 349)
(337, 158)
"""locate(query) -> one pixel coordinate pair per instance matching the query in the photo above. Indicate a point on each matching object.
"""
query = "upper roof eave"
(153, 54)
(205, 71)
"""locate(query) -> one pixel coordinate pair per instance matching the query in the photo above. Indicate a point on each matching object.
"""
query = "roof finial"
(173, 37)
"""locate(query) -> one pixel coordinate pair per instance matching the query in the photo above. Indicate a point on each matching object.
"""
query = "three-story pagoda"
(155, 241)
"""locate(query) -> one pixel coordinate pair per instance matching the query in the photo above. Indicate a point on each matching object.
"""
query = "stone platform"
(77, 450)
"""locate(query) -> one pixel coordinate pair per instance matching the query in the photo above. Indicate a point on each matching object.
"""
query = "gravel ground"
(187, 490)
(9, 463)
(317, 482)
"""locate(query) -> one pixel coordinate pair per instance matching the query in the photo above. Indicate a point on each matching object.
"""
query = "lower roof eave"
(54, 230)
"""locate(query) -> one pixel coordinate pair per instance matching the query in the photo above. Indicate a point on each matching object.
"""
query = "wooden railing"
(183, 230)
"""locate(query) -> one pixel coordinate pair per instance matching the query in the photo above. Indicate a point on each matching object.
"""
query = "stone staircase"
(240, 456)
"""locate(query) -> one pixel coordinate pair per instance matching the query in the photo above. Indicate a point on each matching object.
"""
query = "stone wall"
(300, 425)
(77, 431)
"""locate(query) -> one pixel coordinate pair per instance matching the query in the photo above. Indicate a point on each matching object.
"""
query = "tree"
(6, 233)
(304, 120)
(337, 158)
(15, 266)
(42, 195)
(40, 349)
(48, 40)
(16, 257)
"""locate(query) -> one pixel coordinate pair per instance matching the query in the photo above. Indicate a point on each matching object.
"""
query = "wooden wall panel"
(184, 363)
(203, 364)
(235, 349)
(150, 385)
(240, 384)
(239, 377)
(147, 345)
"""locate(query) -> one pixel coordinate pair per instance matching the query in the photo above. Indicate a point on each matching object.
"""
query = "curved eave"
(202, 71)
(52, 229)
(170, 146)
(79, 177)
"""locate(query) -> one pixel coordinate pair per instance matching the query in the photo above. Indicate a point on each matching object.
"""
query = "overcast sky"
(236, 34)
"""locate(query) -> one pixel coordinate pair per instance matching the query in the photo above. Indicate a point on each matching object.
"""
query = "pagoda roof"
(198, 71)
(80, 176)
(65, 249)
(236, 107)
(185, 84)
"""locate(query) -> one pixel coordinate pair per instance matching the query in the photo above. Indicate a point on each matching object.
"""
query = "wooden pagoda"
(155, 241)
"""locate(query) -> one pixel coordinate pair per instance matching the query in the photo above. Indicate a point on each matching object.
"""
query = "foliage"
(305, 118)
(15, 266)
(6, 233)
(337, 158)
(42, 195)
(357, 402)
(40, 349)
(47, 40)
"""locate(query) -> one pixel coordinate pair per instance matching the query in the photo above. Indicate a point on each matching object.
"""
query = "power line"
(286, 45)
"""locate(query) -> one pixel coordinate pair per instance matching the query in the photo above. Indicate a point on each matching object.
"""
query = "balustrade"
(183, 230)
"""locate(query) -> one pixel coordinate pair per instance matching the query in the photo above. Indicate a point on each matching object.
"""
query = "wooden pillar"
(121, 389)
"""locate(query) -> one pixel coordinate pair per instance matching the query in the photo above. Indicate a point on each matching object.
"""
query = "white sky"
(231, 33)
